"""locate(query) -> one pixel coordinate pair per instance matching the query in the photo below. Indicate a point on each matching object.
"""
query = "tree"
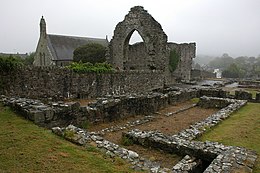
(93, 53)
(233, 71)
(222, 62)
(29, 60)
(10, 63)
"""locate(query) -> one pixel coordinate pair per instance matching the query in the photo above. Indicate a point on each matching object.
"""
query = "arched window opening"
(135, 38)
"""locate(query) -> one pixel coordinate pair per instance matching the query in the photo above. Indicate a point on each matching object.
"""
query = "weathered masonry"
(151, 54)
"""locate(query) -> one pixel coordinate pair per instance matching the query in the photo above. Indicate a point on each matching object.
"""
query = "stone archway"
(151, 54)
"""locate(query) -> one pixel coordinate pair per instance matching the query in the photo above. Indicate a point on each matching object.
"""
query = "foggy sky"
(217, 26)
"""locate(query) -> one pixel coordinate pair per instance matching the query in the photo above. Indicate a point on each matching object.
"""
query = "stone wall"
(155, 40)
(215, 156)
(186, 51)
(60, 83)
(102, 110)
(137, 58)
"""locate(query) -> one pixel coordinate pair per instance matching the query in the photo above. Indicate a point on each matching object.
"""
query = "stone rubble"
(82, 137)
(224, 158)
(188, 163)
(47, 115)
(221, 157)
(199, 128)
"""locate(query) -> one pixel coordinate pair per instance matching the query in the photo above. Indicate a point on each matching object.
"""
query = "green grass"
(241, 129)
(25, 147)
(195, 100)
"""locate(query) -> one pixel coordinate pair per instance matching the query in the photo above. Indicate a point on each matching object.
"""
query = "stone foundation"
(102, 110)
(223, 158)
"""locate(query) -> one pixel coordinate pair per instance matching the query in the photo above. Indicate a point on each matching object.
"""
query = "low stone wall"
(239, 94)
(212, 92)
(59, 83)
(213, 102)
(82, 137)
(249, 84)
(47, 115)
(215, 156)
(102, 110)
(222, 158)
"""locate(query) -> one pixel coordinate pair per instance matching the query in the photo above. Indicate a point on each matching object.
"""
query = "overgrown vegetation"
(10, 63)
(92, 53)
(173, 60)
(25, 147)
(241, 129)
(29, 60)
(80, 67)
(126, 141)
(85, 124)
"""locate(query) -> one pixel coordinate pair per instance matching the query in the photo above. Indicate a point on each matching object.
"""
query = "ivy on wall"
(173, 60)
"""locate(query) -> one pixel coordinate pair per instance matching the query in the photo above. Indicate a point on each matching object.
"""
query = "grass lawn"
(241, 129)
(25, 147)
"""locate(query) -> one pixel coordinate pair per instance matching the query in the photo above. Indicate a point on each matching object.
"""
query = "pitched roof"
(62, 47)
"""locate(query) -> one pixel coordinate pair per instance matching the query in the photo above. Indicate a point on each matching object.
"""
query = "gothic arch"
(155, 40)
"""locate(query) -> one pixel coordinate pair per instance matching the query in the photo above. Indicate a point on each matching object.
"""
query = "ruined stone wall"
(59, 83)
(137, 58)
(150, 30)
(186, 52)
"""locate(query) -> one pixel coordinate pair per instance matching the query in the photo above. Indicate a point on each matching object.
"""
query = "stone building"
(151, 54)
(58, 49)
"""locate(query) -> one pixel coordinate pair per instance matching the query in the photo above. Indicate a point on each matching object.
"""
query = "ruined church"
(153, 54)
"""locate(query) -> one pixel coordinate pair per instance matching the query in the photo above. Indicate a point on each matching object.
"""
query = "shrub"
(173, 60)
(9, 63)
(89, 67)
(93, 53)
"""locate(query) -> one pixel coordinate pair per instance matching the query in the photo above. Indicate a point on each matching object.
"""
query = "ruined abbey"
(138, 112)
(153, 54)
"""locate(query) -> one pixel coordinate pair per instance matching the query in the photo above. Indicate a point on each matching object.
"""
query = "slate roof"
(62, 47)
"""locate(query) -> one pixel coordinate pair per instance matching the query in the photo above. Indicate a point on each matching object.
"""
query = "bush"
(93, 53)
(89, 67)
(173, 60)
(9, 63)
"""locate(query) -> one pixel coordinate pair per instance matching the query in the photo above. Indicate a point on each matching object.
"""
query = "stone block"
(37, 116)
